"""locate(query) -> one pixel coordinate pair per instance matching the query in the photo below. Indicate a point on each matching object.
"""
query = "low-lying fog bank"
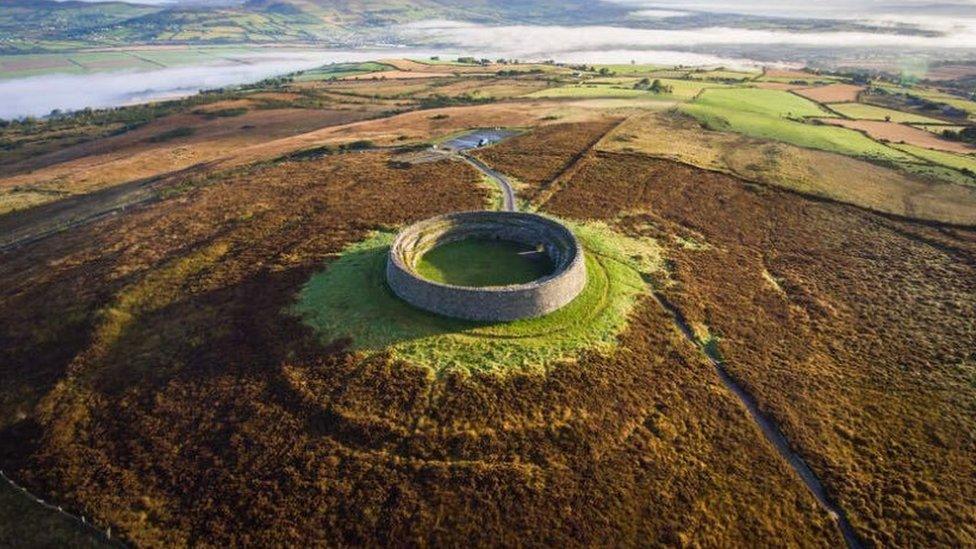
(39, 95)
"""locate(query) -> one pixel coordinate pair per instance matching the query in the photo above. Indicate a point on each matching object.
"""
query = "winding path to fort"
(508, 194)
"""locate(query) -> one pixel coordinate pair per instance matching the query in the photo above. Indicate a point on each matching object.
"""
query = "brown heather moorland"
(539, 157)
(854, 331)
(141, 153)
(177, 401)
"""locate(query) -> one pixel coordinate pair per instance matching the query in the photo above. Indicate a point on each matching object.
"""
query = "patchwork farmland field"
(957, 161)
(759, 101)
(938, 128)
(956, 101)
(901, 133)
(871, 112)
(832, 93)
(680, 90)
(342, 70)
(776, 115)
(723, 75)
(807, 171)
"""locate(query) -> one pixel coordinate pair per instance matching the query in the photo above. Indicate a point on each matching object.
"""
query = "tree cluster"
(654, 87)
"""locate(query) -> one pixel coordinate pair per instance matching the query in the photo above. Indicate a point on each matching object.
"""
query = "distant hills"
(36, 26)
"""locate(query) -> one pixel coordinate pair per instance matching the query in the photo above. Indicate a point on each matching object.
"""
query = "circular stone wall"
(494, 303)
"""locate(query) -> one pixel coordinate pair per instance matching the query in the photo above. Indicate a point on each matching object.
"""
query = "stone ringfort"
(495, 303)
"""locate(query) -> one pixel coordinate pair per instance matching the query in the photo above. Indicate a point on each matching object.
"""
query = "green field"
(957, 102)
(19, 66)
(720, 74)
(765, 102)
(446, 60)
(861, 111)
(341, 70)
(620, 81)
(671, 73)
(682, 90)
(938, 172)
(810, 79)
(955, 161)
(592, 91)
(630, 70)
(939, 128)
(967, 105)
(350, 298)
(771, 114)
(481, 262)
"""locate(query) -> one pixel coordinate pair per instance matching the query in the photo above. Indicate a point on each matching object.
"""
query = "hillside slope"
(58, 26)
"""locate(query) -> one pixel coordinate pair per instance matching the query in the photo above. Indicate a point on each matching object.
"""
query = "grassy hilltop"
(198, 348)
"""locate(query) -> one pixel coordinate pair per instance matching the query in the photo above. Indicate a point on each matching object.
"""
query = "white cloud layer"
(659, 14)
(552, 40)
(824, 9)
(956, 17)
(658, 57)
(38, 95)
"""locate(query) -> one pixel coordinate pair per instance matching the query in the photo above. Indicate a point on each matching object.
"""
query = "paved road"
(508, 194)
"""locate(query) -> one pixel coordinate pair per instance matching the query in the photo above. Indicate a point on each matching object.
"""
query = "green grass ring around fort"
(350, 299)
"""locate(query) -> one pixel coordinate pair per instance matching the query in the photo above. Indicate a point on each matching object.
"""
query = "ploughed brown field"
(831, 93)
(900, 133)
(155, 381)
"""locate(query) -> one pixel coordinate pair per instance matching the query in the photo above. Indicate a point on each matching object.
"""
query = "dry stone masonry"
(496, 303)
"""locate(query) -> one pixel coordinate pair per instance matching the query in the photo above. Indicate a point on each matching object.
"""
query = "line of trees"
(654, 87)
(966, 135)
